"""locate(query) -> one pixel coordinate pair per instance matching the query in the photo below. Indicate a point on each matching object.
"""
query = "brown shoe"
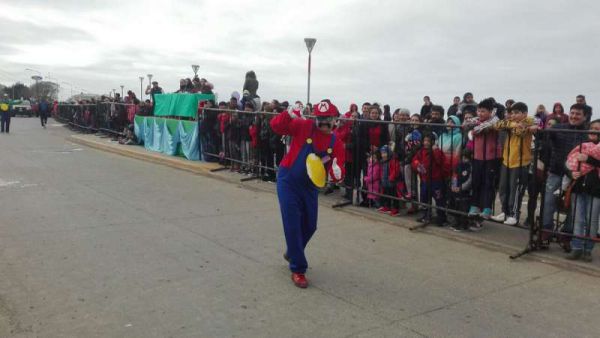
(299, 280)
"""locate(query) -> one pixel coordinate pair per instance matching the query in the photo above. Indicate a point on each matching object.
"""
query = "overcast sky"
(391, 52)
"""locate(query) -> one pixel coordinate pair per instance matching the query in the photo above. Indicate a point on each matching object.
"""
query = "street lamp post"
(114, 93)
(141, 92)
(37, 78)
(122, 90)
(149, 79)
(310, 43)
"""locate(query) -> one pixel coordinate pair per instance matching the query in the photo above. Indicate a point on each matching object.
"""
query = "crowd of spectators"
(474, 160)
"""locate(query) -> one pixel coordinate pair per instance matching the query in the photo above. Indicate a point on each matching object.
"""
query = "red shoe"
(299, 280)
(394, 212)
(383, 209)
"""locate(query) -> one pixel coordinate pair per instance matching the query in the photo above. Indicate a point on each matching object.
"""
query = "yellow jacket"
(517, 145)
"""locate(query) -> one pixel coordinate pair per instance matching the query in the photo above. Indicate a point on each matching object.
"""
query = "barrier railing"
(464, 173)
(506, 163)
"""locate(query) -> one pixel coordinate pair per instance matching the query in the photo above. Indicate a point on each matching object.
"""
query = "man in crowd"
(155, 89)
(426, 108)
(561, 144)
(467, 101)
(580, 99)
(453, 109)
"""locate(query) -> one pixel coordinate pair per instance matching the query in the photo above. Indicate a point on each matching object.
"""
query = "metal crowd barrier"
(243, 141)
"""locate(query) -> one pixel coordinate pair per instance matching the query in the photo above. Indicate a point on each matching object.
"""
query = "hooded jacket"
(451, 144)
(517, 145)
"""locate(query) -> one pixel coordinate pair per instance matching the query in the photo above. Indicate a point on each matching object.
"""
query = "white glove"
(336, 170)
(290, 112)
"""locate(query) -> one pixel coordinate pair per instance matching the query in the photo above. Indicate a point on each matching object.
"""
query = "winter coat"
(429, 163)
(373, 179)
(451, 144)
(560, 144)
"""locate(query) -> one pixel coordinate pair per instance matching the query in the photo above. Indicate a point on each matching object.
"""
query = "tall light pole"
(149, 79)
(114, 93)
(310, 43)
(141, 92)
(122, 90)
(37, 78)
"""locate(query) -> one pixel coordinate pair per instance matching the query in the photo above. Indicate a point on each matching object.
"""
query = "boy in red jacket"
(429, 164)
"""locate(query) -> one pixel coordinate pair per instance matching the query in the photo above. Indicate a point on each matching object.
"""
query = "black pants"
(5, 122)
(391, 203)
(483, 181)
(43, 118)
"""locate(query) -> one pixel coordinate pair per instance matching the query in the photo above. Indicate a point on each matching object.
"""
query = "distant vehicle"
(22, 107)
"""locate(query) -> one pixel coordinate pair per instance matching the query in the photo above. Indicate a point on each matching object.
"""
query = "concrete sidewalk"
(495, 236)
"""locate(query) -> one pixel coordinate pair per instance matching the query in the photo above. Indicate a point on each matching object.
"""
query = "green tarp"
(185, 104)
(168, 136)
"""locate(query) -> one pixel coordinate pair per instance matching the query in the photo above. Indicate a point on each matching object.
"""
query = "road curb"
(204, 169)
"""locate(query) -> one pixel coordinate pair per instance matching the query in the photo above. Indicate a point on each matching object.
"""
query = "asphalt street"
(94, 244)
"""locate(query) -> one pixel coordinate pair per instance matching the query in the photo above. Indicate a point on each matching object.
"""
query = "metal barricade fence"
(464, 172)
(502, 162)
(107, 117)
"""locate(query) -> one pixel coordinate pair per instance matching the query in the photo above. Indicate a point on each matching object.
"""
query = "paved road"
(98, 245)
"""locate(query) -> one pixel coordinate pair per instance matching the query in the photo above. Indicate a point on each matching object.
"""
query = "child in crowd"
(429, 162)
(372, 180)
(346, 132)
(390, 177)
(584, 164)
(515, 164)
(451, 143)
(233, 135)
(224, 118)
(459, 196)
(246, 120)
(412, 144)
(486, 152)
(468, 122)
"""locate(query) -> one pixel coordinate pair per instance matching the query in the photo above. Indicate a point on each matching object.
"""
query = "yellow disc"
(329, 151)
(316, 170)
(4, 107)
(309, 140)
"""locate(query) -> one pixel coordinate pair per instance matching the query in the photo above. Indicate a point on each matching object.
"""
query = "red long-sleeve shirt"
(302, 129)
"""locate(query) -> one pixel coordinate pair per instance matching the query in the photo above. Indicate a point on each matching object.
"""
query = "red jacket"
(344, 134)
(223, 121)
(423, 159)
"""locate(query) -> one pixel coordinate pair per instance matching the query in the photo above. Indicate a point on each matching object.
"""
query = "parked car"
(22, 107)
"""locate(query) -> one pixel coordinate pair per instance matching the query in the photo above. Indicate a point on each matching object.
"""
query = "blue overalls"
(298, 200)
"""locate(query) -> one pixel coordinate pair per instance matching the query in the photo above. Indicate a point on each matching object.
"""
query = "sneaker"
(299, 280)
(458, 228)
(501, 217)
(587, 256)
(477, 226)
(424, 219)
(486, 213)
(394, 212)
(474, 211)
(511, 221)
(575, 255)
(384, 209)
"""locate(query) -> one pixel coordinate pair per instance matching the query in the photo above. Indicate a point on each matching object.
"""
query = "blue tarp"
(165, 136)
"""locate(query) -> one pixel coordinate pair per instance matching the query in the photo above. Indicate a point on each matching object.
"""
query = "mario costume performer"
(314, 150)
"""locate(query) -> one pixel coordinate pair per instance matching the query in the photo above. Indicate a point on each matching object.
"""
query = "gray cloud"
(389, 51)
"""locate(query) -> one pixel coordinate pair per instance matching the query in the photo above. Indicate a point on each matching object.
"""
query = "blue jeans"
(586, 210)
(552, 184)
